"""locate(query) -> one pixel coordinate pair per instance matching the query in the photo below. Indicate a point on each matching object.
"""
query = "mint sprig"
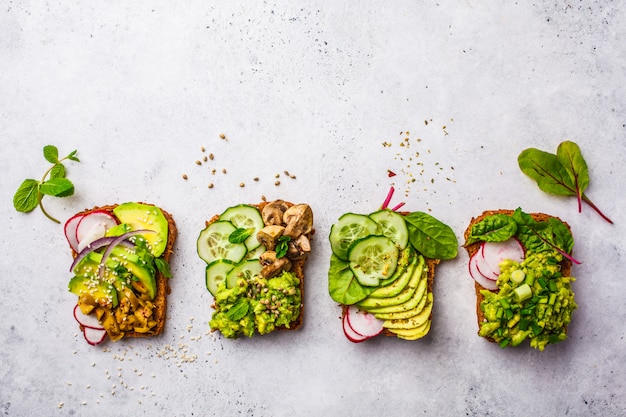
(30, 193)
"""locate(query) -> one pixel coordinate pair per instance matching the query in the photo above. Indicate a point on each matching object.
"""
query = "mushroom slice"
(272, 266)
(268, 236)
(299, 248)
(273, 212)
(299, 220)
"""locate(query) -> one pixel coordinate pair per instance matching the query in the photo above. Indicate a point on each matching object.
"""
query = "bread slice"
(471, 249)
(297, 268)
(162, 282)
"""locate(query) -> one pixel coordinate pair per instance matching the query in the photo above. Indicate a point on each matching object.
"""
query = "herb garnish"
(240, 235)
(564, 173)
(282, 246)
(30, 193)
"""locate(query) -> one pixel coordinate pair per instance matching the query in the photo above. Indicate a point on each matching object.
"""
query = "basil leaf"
(163, 267)
(240, 235)
(546, 169)
(431, 237)
(51, 153)
(57, 171)
(282, 246)
(57, 187)
(342, 284)
(26, 197)
(494, 228)
(238, 310)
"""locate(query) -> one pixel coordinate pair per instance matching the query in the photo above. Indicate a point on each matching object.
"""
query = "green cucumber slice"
(349, 228)
(216, 273)
(244, 216)
(393, 226)
(246, 269)
(373, 259)
(213, 243)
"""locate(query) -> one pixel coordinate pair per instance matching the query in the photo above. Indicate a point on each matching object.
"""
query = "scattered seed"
(184, 176)
(277, 183)
(204, 158)
(277, 176)
(241, 184)
(213, 171)
(210, 185)
(293, 177)
(256, 178)
(198, 163)
(202, 148)
(211, 156)
(223, 170)
(263, 198)
(287, 173)
(222, 136)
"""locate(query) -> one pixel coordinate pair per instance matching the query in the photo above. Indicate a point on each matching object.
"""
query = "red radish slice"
(478, 276)
(350, 333)
(482, 266)
(87, 320)
(93, 226)
(496, 252)
(363, 323)
(70, 231)
(94, 336)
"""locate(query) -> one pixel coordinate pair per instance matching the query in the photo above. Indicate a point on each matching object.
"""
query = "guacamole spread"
(534, 301)
(256, 304)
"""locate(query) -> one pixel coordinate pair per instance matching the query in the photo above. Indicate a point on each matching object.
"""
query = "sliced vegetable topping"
(213, 243)
(373, 259)
(349, 228)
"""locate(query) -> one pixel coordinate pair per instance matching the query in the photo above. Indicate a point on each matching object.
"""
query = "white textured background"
(316, 89)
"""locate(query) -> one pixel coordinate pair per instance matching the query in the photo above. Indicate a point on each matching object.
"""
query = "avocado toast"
(382, 271)
(121, 269)
(255, 256)
(521, 264)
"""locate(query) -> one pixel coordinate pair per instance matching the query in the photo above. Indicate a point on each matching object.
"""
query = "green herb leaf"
(546, 169)
(26, 197)
(57, 187)
(51, 153)
(72, 156)
(240, 235)
(238, 310)
(282, 246)
(431, 237)
(568, 153)
(163, 267)
(57, 171)
(494, 228)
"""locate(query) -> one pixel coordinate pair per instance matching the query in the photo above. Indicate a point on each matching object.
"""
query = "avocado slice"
(404, 257)
(99, 290)
(144, 216)
(413, 334)
(405, 310)
(401, 282)
(144, 273)
(414, 321)
(404, 296)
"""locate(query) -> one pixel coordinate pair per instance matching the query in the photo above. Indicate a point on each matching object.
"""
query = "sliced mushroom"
(298, 220)
(268, 236)
(299, 248)
(272, 266)
(273, 212)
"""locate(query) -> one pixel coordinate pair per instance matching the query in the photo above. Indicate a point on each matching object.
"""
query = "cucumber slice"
(213, 243)
(246, 269)
(255, 253)
(216, 273)
(373, 259)
(393, 226)
(349, 228)
(244, 216)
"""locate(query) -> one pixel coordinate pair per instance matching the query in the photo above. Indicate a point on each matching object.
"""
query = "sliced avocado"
(143, 216)
(413, 334)
(99, 290)
(400, 283)
(404, 296)
(405, 310)
(143, 272)
(414, 321)
(404, 258)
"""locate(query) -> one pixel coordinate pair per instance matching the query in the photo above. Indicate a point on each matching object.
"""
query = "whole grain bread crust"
(566, 264)
(297, 267)
(162, 282)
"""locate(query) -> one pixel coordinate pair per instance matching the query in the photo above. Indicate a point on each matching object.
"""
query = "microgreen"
(564, 173)
(282, 246)
(30, 193)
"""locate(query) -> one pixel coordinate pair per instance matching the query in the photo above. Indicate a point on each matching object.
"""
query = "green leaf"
(238, 310)
(431, 237)
(72, 156)
(568, 153)
(342, 284)
(282, 246)
(57, 171)
(546, 169)
(51, 153)
(240, 235)
(163, 267)
(494, 228)
(57, 187)
(26, 197)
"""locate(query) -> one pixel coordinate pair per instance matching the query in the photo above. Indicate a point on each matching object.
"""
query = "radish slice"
(94, 336)
(93, 226)
(363, 323)
(496, 252)
(350, 333)
(70, 231)
(482, 266)
(482, 280)
(87, 320)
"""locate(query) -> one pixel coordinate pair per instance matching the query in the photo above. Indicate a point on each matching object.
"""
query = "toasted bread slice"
(471, 249)
(297, 267)
(162, 283)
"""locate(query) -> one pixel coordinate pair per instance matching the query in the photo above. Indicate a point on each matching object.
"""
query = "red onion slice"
(97, 244)
(114, 243)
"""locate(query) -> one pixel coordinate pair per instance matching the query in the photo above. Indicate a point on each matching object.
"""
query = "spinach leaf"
(431, 237)
(494, 228)
(342, 284)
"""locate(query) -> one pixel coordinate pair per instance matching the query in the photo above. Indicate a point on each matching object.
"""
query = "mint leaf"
(57, 187)
(57, 171)
(51, 153)
(282, 246)
(72, 156)
(240, 235)
(163, 267)
(26, 197)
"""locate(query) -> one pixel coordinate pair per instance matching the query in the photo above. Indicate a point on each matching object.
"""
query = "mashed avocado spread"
(534, 301)
(256, 304)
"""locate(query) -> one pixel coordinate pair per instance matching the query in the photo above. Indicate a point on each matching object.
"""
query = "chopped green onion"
(552, 286)
(518, 276)
(504, 343)
(523, 293)
(552, 298)
(542, 282)
(504, 303)
(530, 278)
(524, 323)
